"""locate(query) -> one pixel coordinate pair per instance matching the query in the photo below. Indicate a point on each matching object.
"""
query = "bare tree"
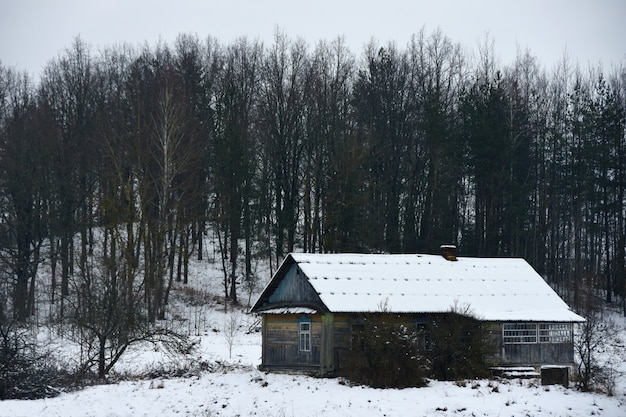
(332, 158)
(24, 130)
(69, 88)
(284, 87)
(234, 155)
(107, 323)
(232, 328)
(592, 340)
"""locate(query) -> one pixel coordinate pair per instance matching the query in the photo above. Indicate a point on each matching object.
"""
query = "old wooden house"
(313, 303)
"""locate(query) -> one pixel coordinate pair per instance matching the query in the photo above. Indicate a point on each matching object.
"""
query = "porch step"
(513, 372)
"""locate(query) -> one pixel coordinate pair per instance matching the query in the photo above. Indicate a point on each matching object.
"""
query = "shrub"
(384, 354)
(459, 348)
(25, 373)
(590, 344)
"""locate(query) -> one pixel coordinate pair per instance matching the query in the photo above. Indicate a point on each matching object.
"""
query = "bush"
(459, 349)
(25, 373)
(384, 354)
(591, 343)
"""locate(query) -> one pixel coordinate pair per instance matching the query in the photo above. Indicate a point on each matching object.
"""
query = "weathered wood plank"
(331, 341)
(295, 287)
(282, 346)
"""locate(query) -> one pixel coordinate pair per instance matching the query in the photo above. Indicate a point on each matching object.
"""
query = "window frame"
(555, 332)
(530, 333)
(519, 333)
(305, 335)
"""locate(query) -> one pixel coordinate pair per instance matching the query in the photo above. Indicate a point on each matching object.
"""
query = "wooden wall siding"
(331, 341)
(538, 353)
(327, 356)
(281, 342)
(342, 331)
(522, 354)
(294, 288)
(342, 334)
(528, 353)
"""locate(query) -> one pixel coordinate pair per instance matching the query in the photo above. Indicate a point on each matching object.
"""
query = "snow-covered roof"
(493, 289)
(290, 310)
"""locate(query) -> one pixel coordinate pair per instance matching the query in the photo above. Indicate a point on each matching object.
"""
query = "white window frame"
(555, 332)
(520, 333)
(304, 332)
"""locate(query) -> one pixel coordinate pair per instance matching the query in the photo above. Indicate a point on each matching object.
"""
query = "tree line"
(115, 165)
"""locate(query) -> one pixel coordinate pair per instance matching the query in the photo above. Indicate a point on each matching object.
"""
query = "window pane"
(305, 336)
(423, 336)
(555, 332)
(519, 333)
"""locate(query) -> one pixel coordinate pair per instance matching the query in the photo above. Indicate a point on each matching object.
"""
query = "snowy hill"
(221, 379)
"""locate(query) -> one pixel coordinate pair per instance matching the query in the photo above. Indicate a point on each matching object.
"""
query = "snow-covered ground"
(229, 383)
(237, 388)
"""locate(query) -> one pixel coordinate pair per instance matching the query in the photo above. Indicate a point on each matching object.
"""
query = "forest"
(116, 165)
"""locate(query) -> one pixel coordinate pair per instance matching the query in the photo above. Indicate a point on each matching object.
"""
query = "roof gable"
(494, 289)
(290, 291)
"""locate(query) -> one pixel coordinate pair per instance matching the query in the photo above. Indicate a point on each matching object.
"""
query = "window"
(536, 333)
(519, 333)
(555, 332)
(423, 337)
(357, 335)
(305, 336)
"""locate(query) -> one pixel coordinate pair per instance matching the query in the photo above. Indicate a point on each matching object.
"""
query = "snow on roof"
(493, 289)
(290, 310)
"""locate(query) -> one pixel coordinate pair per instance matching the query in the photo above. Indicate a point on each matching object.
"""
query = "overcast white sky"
(591, 31)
